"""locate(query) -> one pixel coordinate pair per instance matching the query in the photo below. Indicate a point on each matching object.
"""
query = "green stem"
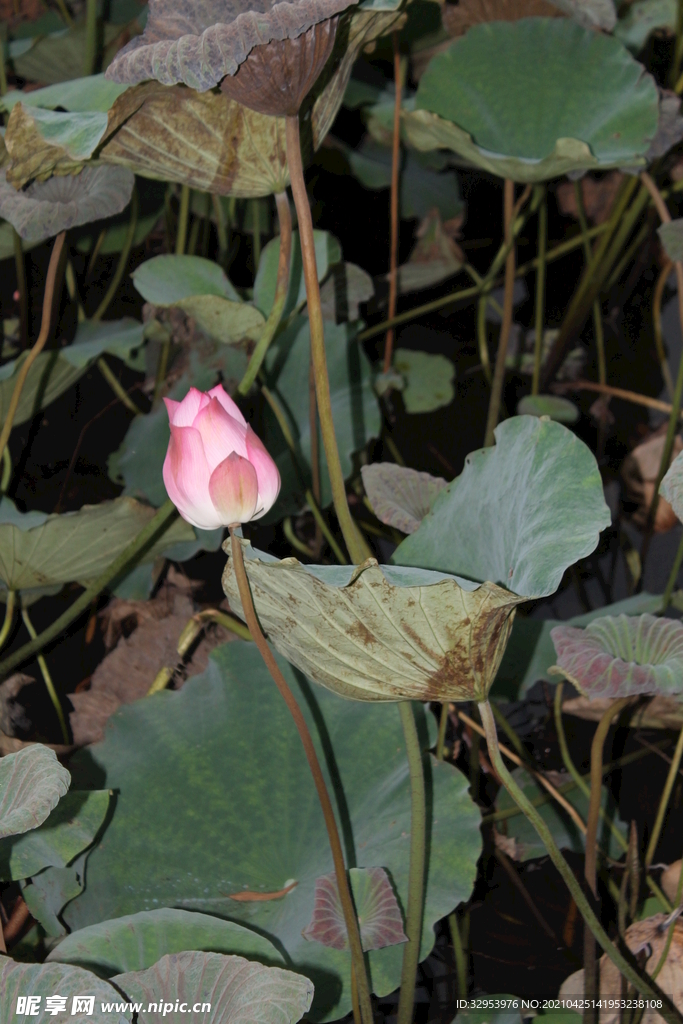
(641, 984)
(539, 322)
(183, 217)
(162, 366)
(501, 354)
(345, 898)
(221, 229)
(115, 384)
(47, 678)
(6, 470)
(324, 528)
(298, 545)
(20, 267)
(281, 289)
(123, 260)
(355, 542)
(510, 732)
(10, 602)
(657, 327)
(673, 576)
(155, 527)
(482, 340)
(416, 873)
(664, 801)
(597, 312)
(256, 225)
(441, 738)
(459, 953)
(198, 622)
(630, 252)
(90, 59)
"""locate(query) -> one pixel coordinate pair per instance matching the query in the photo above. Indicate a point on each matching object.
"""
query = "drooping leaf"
(238, 992)
(46, 980)
(620, 656)
(400, 497)
(385, 632)
(47, 207)
(429, 379)
(671, 237)
(642, 19)
(136, 941)
(379, 915)
(32, 781)
(173, 757)
(327, 255)
(480, 99)
(71, 826)
(559, 409)
(519, 513)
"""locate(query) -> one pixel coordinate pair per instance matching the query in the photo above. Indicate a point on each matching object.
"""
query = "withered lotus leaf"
(45, 142)
(381, 633)
(622, 655)
(379, 915)
(199, 42)
(400, 497)
(47, 207)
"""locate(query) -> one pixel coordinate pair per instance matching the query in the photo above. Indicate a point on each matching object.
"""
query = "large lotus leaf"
(623, 655)
(399, 496)
(379, 915)
(559, 409)
(45, 981)
(69, 829)
(53, 56)
(74, 545)
(599, 109)
(429, 379)
(328, 254)
(43, 142)
(643, 18)
(355, 409)
(527, 844)
(379, 633)
(174, 757)
(199, 44)
(136, 941)
(93, 93)
(519, 514)
(530, 652)
(237, 991)
(47, 207)
(32, 781)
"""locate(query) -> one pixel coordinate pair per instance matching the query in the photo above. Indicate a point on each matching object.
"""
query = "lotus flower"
(217, 472)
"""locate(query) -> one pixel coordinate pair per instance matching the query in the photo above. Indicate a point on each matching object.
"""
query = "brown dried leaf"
(458, 18)
(31, 155)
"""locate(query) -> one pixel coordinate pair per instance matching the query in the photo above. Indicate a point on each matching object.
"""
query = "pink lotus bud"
(217, 472)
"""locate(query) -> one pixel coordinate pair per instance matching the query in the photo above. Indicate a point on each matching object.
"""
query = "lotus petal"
(379, 915)
(623, 655)
(380, 633)
(399, 496)
(48, 207)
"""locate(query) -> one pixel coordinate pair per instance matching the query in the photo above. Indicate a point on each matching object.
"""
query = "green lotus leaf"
(346, 288)
(74, 545)
(559, 409)
(68, 830)
(400, 497)
(173, 757)
(519, 514)
(379, 915)
(46, 980)
(47, 207)
(527, 844)
(119, 338)
(642, 19)
(136, 941)
(43, 142)
(328, 254)
(50, 890)
(355, 409)
(429, 379)
(93, 93)
(238, 992)
(621, 656)
(671, 237)
(381, 633)
(480, 99)
(32, 781)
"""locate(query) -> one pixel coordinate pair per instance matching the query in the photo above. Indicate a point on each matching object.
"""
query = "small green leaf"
(429, 380)
(165, 280)
(559, 409)
(327, 254)
(671, 237)
(32, 782)
(379, 915)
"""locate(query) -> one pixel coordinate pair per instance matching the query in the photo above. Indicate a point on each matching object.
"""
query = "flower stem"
(657, 327)
(116, 386)
(394, 203)
(416, 873)
(539, 322)
(40, 342)
(10, 602)
(499, 369)
(183, 217)
(281, 289)
(318, 778)
(90, 59)
(642, 984)
(47, 678)
(356, 544)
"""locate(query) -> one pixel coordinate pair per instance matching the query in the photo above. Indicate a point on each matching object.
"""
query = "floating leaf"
(47, 207)
(379, 915)
(238, 992)
(671, 237)
(559, 409)
(71, 826)
(137, 941)
(379, 633)
(429, 379)
(172, 759)
(400, 497)
(519, 514)
(642, 19)
(45, 980)
(480, 99)
(32, 782)
(622, 656)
